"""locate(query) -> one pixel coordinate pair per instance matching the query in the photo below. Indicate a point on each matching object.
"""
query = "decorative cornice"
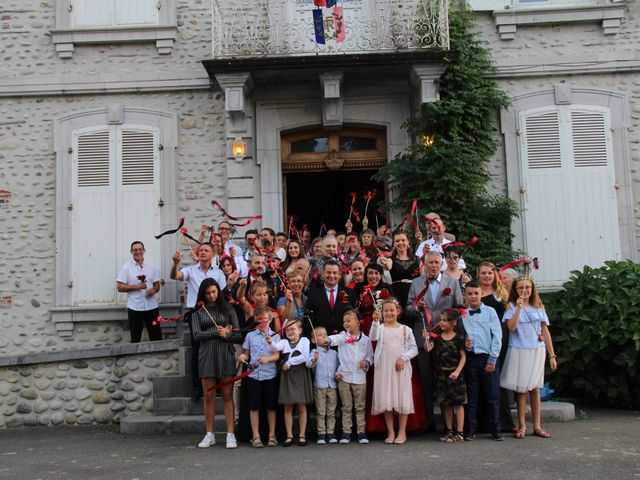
(610, 15)
(163, 35)
(100, 84)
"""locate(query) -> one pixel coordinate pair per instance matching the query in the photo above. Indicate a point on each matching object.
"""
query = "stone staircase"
(174, 411)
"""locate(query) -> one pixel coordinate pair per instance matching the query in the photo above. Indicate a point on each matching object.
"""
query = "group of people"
(356, 324)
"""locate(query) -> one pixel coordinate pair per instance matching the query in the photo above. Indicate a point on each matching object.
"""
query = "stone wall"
(84, 391)
(28, 50)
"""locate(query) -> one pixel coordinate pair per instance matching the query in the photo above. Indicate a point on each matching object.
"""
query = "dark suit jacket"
(320, 313)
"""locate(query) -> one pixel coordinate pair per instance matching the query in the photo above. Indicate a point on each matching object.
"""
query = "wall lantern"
(428, 140)
(239, 148)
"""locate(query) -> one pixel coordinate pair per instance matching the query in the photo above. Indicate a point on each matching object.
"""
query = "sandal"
(302, 441)
(520, 434)
(288, 442)
(446, 435)
(256, 442)
(541, 433)
(455, 437)
(273, 442)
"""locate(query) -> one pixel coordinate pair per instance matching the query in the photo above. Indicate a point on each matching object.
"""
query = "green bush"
(596, 326)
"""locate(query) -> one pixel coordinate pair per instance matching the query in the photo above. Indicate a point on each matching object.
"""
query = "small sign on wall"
(5, 198)
(6, 301)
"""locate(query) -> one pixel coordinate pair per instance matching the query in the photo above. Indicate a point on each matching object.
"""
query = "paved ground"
(600, 444)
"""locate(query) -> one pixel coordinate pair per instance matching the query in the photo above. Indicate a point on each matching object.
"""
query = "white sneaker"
(208, 440)
(231, 441)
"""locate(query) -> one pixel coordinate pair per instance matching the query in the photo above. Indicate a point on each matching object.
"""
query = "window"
(114, 13)
(350, 148)
(570, 211)
(114, 201)
(115, 183)
(114, 21)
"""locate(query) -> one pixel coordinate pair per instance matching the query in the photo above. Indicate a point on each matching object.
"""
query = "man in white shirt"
(437, 239)
(141, 282)
(194, 275)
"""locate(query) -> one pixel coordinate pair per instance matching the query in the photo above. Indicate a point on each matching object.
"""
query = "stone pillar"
(242, 197)
(332, 104)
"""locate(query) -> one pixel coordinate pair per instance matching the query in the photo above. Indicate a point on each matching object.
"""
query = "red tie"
(332, 299)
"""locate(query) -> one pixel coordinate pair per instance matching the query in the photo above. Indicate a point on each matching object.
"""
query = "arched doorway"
(321, 169)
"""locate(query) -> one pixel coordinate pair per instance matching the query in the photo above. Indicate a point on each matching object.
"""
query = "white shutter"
(138, 158)
(91, 13)
(115, 197)
(542, 140)
(589, 139)
(93, 217)
(93, 159)
(136, 12)
(138, 192)
(570, 210)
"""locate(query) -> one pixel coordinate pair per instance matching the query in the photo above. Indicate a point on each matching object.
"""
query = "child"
(295, 380)
(449, 382)
(356, 356)
(262, 383)
(528, 340)
(392, 391)
(484, 340)
(260, 297)
(324, 362)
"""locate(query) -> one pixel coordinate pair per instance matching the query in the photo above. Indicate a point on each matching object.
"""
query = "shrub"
(596, 326)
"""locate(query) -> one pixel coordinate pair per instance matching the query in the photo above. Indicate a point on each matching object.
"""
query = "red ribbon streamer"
(216, 204)
(414, 208)
(515, 263)
(471, 242)
(355, 213)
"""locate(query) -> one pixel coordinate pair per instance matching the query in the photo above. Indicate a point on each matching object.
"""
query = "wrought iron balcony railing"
(252, 28)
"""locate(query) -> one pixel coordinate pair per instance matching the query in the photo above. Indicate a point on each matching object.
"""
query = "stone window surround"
(63, 314)
(563, 94)
(609, 14)
(65, 37)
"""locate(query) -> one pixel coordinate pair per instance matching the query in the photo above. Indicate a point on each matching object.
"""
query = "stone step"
(182, 406)
(172, 386)
(168, 424)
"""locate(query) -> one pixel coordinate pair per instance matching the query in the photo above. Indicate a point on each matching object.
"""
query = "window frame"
(619, 116)
(64, 314)
(65, 36)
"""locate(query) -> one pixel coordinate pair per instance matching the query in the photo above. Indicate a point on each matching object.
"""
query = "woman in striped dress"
(215, 325)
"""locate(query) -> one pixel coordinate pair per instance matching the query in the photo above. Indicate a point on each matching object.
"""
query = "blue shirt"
(529, 327)
(484, 329)
(324, 371)
(258, 347)
(297, 310)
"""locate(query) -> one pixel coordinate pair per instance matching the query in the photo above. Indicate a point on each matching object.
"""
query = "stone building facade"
(164, 78)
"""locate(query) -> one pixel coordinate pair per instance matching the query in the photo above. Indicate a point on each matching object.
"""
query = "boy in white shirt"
(355, 354)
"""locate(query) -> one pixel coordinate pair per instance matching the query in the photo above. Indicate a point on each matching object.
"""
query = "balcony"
(254, 29)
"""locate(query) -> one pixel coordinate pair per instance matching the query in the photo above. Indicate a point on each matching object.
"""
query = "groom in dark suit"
(431, 293)
(328, 302)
